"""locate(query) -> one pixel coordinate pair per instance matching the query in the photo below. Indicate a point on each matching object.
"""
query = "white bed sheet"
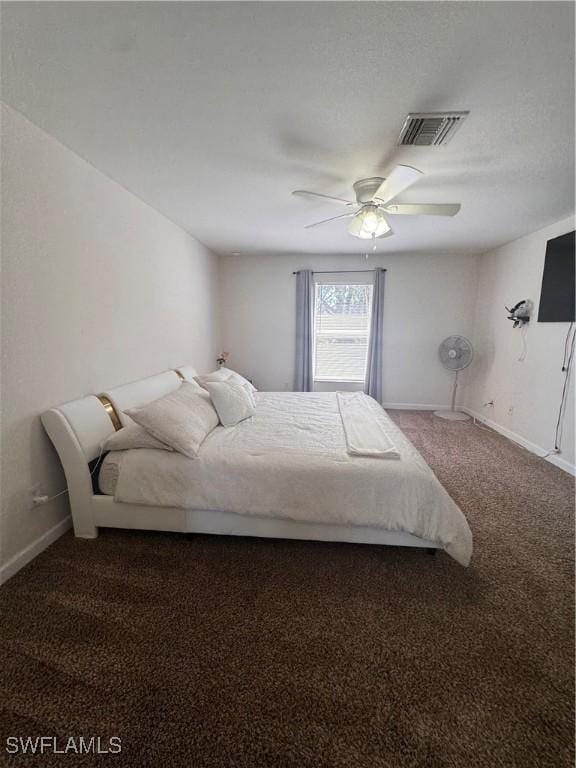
(290, 461)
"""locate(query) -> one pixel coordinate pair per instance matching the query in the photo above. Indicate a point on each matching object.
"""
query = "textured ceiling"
(214, 112)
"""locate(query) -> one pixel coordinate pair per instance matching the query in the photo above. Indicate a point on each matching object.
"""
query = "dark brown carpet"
(206, 651)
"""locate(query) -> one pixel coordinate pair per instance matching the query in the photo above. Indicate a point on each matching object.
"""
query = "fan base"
(452, 415)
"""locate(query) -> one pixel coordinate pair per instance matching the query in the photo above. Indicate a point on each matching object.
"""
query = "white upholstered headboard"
(79, 428)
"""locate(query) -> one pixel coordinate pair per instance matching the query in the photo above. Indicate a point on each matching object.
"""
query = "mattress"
(290, 460)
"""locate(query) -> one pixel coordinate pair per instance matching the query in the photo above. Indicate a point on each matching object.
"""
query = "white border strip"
(27, 554)
(532, 447)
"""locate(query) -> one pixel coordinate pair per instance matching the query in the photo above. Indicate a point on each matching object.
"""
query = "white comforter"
(291, 460)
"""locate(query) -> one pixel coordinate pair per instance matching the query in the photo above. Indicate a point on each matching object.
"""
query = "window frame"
(325, 279)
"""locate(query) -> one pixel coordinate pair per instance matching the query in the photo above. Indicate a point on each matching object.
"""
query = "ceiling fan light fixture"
(369, 222)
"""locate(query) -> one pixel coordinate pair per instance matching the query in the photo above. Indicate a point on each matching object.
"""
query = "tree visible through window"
(341, 331)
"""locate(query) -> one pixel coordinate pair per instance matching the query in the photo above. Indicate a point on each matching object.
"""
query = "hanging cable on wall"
(567, 360)
(566, 345)
(524, 352)
(519, 314)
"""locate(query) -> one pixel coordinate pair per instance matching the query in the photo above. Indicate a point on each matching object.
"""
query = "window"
(341, 331)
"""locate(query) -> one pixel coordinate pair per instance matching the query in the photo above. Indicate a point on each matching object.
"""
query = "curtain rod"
(337, 271)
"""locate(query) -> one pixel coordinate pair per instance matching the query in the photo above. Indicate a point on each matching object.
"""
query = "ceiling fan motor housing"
(365, 189)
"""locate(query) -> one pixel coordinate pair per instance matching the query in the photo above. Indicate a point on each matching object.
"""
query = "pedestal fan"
(455, 354)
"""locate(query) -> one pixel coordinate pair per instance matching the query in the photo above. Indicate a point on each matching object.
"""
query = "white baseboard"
(532, 447)
(415, 407)
(32, 550)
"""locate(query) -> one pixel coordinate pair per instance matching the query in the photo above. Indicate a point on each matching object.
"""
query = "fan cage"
(455, 353)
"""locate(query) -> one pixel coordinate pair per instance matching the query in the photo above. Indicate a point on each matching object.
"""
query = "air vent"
(425, 129)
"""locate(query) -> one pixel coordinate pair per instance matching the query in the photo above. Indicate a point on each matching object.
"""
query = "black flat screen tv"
(557, 294)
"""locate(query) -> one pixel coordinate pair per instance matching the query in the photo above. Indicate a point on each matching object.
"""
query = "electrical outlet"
(489, 404)
(511, 411)
(33, 492)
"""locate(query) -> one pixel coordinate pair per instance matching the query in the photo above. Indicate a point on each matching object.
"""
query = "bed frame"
(78, 430)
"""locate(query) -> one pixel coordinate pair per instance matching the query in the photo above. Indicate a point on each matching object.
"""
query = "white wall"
(98, 289)
(526, 394)
(427, 298)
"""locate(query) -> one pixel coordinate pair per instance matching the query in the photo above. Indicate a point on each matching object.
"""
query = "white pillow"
(226, 374)
(181, 419)
(231, 400)
(133, 436)
(192, 383)
(223, 374)
(241, 380)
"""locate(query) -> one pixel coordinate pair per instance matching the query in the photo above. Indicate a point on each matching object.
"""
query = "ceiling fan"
(373, 204)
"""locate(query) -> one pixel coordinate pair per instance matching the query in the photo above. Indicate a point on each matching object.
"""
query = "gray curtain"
(373, 383)
(304, 377)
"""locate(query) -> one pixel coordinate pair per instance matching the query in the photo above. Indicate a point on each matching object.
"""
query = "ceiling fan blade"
(305, 193)
(325, 221)
(424, 210)
(400, 178)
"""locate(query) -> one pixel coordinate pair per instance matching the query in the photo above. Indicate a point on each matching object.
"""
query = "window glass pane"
(342, 326)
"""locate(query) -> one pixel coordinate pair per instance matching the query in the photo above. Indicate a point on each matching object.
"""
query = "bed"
(284, 473)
